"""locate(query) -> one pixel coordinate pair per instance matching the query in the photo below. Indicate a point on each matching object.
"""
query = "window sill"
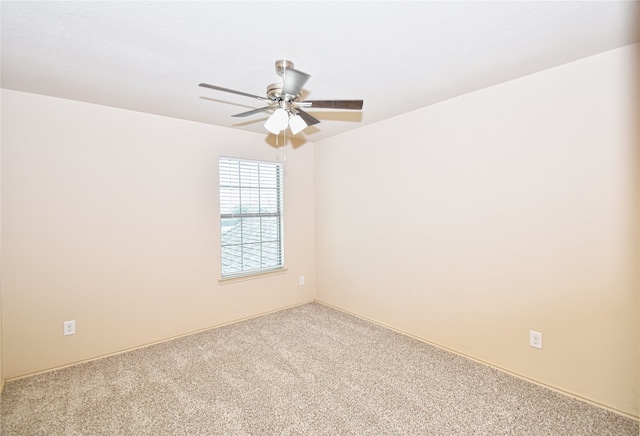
(251, 276)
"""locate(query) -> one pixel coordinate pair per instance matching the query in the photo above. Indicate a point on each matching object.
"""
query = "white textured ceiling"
(396, 56)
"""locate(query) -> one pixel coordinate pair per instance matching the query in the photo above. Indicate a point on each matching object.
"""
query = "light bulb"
(278, 121)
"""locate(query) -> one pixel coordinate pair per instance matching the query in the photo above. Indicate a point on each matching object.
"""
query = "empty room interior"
(487, 190)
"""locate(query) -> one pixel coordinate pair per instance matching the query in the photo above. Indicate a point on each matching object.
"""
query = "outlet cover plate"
(535, 339)
(69, 328)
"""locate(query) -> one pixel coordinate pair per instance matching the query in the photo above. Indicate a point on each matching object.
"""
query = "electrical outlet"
(69, 328)
(535, 339)
(301, 280)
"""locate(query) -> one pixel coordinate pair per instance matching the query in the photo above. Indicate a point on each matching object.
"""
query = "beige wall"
(1, 365)
(472, 221)
(110, 218)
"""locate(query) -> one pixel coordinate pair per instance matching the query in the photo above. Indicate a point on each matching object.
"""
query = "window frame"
(271, 171)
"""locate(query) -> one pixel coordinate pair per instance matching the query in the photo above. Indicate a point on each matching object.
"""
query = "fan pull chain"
(284, 152)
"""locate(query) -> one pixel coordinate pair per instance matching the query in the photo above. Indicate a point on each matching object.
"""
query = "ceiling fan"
(285, 100)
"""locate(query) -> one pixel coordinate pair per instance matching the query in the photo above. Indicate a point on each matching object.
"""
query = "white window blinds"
(250, 216)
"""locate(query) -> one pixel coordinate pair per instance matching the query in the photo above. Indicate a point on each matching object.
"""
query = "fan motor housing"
(274, 93)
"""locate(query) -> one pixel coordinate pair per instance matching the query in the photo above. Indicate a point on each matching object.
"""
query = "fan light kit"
(278, 121)
(285, 100)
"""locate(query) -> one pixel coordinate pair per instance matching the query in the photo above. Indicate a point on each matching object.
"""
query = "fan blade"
(294, 81)
(334, 104)
(252, 112)
(219, 88)
(307, 118)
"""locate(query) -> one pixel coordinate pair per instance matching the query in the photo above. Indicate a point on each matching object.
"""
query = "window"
(250, 216)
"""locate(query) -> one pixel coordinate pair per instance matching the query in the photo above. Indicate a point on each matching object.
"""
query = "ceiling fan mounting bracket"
(282, 65)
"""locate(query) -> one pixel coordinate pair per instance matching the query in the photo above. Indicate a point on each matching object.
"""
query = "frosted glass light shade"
(297, 124)
(277, 122)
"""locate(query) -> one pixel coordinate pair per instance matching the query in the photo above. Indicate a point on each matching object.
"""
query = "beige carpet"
(306, 370)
